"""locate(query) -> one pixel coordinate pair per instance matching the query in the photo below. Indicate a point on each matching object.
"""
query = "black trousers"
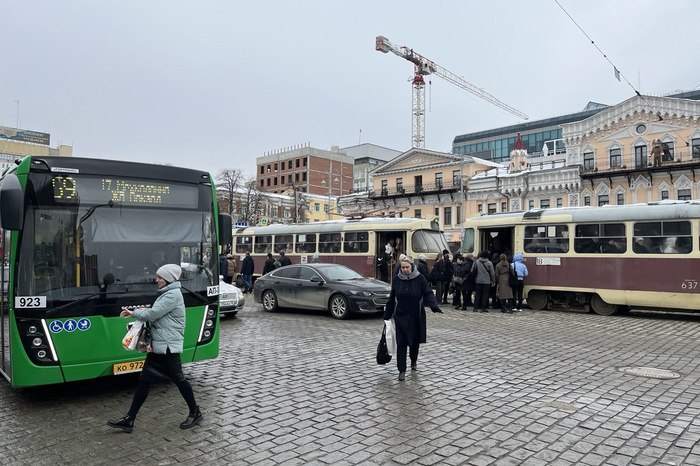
(401, 356)
(518, 294)
(162, 367)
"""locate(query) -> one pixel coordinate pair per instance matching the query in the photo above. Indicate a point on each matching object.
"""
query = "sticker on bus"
(34, 302)
(213, 290)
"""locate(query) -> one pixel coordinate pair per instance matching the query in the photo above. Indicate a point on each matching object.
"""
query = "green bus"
(81, 239)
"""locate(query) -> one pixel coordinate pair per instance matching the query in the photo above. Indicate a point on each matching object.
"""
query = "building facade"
(17, 143)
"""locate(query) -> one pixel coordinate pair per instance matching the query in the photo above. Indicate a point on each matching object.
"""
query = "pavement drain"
(650, 372)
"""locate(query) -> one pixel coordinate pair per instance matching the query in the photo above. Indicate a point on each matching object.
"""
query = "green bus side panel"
(92, 353)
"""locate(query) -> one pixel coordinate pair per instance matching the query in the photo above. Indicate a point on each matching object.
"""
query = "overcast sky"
(213, 84)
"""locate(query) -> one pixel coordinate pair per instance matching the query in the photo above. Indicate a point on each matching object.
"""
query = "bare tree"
(229, 184)
(255, 202)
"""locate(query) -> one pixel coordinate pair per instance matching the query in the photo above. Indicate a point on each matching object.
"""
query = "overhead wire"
(617, 71)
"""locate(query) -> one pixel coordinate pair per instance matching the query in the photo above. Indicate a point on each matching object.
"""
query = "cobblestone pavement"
(300, 388)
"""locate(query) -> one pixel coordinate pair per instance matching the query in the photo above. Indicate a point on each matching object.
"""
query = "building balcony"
(681, 161)
(446, 186)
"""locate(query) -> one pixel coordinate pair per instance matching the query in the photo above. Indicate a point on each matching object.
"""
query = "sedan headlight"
(361, 293)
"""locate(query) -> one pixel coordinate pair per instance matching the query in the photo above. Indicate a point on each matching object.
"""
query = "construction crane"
(423, 67)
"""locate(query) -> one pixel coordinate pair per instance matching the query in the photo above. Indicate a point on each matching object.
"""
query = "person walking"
(409, 296)
(223, 266)
(166, 318)
(247, 270)
(485, 279)
(503, 290)
(521, 270)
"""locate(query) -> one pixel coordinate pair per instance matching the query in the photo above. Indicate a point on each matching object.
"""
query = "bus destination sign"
(68, 189)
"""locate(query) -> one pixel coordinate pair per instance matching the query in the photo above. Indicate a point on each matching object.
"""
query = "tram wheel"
(537, 299)
(602, 308)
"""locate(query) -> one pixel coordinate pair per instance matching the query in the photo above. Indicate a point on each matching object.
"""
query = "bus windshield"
(101, 256)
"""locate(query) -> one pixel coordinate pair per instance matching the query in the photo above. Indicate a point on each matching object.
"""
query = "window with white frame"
(588, 161)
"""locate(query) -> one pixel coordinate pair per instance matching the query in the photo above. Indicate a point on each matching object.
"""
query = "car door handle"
(300, 284)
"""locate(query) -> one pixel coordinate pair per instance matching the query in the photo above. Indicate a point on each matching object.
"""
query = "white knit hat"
(169, 272)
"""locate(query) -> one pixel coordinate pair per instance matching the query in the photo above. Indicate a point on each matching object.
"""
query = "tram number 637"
(689, 284)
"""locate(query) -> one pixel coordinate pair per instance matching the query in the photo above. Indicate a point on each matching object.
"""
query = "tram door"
(497, 241)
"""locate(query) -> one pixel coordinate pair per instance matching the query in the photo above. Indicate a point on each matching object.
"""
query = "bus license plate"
(127, 367)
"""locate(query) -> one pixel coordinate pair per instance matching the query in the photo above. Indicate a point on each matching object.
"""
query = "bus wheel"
(537, 299)
(269, 301)
(339, 306)
(602, 308)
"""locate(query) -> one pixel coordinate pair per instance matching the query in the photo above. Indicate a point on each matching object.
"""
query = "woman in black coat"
(409, 295)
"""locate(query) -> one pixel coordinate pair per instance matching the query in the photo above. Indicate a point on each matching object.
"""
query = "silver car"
(231, 299)
(332, 287)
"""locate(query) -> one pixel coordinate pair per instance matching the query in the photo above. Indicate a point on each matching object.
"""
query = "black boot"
(192, 419)
(125, 423)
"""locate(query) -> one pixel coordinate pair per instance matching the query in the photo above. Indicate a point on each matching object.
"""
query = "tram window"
(284, 243)
(546, 239)
(263, 244)
(607, 238)
(662, 237)
(243, 244)
(357, 241)
(468, 241)
(306, 243)
(329, 242)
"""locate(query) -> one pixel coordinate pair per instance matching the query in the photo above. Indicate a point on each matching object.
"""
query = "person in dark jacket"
(437, 275)
(447, 279)
(485, 277)
(166, 318)
(409, 296)
(383, 266)
(422, 267)
(460, 272)
(284, 260)
(269, 264)
(223, 266)
(247, 270)
(469, 282)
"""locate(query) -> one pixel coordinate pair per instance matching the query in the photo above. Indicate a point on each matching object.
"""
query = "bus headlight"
(208, 326)
(37, 341)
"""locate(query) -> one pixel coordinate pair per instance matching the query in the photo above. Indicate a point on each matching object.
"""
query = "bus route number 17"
(34, 302)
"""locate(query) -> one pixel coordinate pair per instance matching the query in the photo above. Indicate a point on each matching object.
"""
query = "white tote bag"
(390, 336)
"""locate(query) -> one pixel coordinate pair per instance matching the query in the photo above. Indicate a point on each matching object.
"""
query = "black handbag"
(383, 355)
(144, 340)
(512, 277)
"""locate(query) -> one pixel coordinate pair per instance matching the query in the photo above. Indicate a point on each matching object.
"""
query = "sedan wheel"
(269, 301)
(339, 306)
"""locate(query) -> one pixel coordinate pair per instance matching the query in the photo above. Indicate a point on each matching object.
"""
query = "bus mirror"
(11, 203)
(225, 230)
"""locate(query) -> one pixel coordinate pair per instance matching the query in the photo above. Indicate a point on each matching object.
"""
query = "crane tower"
(422, 67)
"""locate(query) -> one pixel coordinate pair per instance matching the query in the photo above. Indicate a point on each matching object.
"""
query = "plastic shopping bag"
(390, 336)
(132, 335)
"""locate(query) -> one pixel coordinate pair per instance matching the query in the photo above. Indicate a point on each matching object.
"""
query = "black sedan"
(332, 287)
